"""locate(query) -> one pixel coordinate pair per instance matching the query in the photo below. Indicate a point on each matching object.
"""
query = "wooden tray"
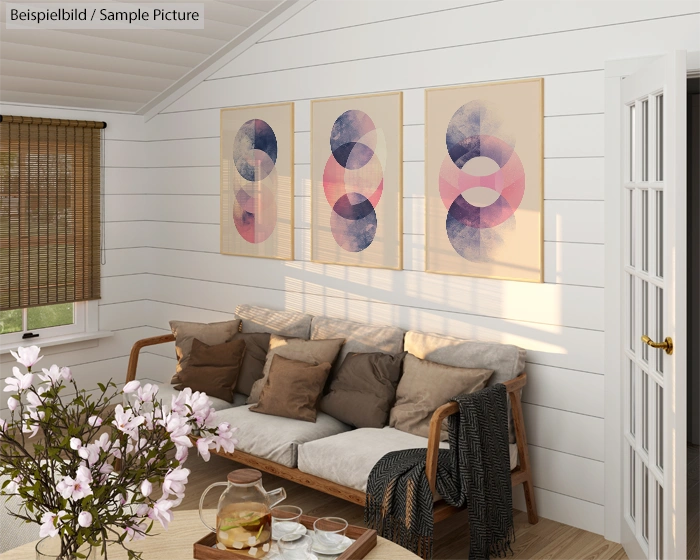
(365, 540)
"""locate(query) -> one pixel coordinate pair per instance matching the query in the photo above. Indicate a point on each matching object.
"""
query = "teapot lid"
(244, 476)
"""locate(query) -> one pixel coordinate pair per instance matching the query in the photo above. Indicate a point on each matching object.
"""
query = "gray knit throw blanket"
(475, 472)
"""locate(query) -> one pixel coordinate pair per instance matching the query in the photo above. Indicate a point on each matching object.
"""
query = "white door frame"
(614, 72)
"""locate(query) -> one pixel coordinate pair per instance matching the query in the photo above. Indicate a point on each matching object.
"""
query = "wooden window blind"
(49, 210)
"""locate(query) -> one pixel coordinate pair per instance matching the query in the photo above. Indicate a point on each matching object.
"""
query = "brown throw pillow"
(309, 351)
(292, 389)
(256, 347)
(364, 388)
(213, 369)
(209, 333)
(424, 387)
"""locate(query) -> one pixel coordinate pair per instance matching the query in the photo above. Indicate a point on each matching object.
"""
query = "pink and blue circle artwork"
(255, 155)
(353, 180)
(477, 231)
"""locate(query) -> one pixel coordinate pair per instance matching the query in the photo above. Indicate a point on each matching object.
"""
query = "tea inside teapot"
(243, 518)
(243, 525)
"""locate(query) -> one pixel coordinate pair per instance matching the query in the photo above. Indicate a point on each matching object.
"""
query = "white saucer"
(278, 556)
(301, 530)
(344, 545)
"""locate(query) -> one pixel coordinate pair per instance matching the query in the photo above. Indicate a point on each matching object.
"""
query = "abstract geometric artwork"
(484, 177)
(257, 190)
(356, 181)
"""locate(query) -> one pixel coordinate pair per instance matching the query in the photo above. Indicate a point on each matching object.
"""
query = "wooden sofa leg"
(532, 516)
(524, 457)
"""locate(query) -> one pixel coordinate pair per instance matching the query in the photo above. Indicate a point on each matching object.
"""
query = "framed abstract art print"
(356, 181)
(484, 180)
(257, 181)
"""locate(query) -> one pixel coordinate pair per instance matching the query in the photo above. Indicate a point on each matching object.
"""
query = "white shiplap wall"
(163, 207)
(124, 306)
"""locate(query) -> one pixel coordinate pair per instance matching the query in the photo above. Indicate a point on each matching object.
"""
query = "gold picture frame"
(360, 235)
(459, 237)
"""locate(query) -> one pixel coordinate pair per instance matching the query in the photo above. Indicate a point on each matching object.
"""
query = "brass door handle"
(666, 345)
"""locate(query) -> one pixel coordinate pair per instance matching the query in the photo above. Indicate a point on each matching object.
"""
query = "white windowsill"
(55, 341)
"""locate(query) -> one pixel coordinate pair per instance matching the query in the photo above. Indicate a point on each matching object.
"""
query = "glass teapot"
(243, 515)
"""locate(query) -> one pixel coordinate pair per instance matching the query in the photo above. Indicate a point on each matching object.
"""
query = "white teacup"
(330, 532)
(285, 521)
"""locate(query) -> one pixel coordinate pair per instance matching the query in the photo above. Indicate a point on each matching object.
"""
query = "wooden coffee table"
(176, 543)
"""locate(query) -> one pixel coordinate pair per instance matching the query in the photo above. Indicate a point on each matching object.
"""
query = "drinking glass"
(330, 532)
(295, 547)
(285, 521)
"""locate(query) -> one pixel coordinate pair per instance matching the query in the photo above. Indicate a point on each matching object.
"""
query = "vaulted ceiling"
(118, 70)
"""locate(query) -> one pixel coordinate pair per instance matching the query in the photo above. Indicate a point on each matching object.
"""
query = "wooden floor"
(693, 502)
(546, 540)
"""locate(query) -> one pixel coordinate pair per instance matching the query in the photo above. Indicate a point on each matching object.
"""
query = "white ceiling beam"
(44, 55)
(88, 91)
(82, 76)
(62, 101)
(223, 56)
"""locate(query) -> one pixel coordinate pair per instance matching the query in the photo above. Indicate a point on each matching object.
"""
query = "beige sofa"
(332, 457)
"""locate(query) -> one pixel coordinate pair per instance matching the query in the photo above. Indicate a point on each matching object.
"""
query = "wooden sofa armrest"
(136, 348)
(513, 388)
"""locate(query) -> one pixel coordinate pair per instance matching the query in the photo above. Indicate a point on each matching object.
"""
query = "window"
(49, 226)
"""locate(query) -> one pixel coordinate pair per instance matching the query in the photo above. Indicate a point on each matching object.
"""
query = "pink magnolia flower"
(131, 386)
(3, 425)
(13, 486)
(20, 382)
(105, 470)
(175, 482)
(48, 525)
(146, 488)
(76, 488)
(31, 429)
(27, 355)
(90, 452)
(136, 531)
(85, 519)
(203, 446)
(12, 404)
(95, 421)
(126, 422)
(103, 442)
(55, 374)
(225, 439)
(147, 392)
(75, 443)
(160, 511)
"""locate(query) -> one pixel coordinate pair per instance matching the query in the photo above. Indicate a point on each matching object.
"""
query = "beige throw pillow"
(208, 333)
(309, 351)
(292, 389)
(425, 387)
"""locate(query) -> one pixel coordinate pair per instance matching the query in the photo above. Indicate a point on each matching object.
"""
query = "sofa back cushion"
(209, 333)
(256, 319)
(359, 337)
(256, 347)
(506, 361)
(213, 369)
(363, 389)
(424, 387)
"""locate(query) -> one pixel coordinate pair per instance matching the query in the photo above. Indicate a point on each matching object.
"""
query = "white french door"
(654, 309)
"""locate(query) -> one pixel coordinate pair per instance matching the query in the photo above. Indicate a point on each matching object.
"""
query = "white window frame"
(84, 321)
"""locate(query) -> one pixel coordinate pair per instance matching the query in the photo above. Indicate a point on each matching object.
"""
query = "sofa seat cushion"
(348, 458)
(167, 392)
(275, 438)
